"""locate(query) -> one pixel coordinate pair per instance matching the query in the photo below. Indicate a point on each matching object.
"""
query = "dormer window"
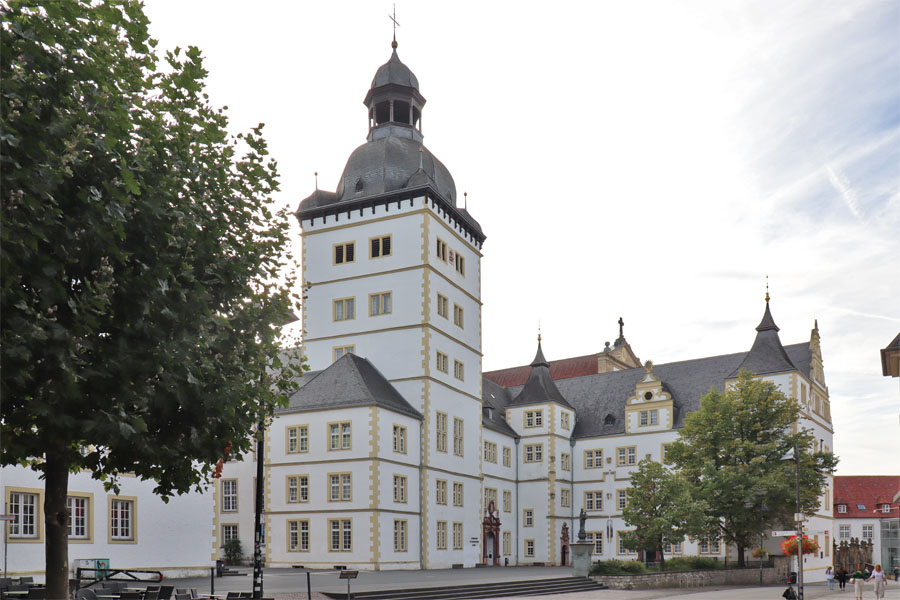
(885, 508)
(842, 508)
(609, 420)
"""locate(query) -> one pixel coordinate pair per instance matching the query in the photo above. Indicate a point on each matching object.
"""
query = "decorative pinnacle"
(316, 175)
(393, 18)
(767, 289)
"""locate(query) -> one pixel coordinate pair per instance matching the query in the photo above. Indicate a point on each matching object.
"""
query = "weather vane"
(393, 18)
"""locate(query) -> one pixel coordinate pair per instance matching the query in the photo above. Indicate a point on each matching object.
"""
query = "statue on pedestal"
(582, 534)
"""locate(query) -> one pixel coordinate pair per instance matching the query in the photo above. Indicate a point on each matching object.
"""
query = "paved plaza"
(290, 584)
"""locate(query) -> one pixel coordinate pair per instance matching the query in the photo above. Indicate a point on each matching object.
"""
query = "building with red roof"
(865, 508)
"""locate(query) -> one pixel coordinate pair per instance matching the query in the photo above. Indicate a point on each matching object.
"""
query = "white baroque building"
(397, 452)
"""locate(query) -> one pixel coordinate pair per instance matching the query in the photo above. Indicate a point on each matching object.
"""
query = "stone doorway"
(490, 526)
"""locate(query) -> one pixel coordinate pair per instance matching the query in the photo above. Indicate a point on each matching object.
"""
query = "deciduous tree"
(143, 269)
(661, 509)
(732, 449)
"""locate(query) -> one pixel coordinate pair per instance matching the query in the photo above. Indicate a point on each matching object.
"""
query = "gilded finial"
(539, 331)
(316, 175)
(767, 289)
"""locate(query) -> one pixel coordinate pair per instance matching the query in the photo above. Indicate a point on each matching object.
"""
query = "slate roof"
(539, 387)
(868, 490)
(889, 358)
(595, 396)
(767, 354)
(495, 398)
(394, 72)
(349, 381)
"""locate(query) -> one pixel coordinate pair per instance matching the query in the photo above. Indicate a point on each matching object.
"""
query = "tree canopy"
(732, 450)
(144, 270)
(661, 508)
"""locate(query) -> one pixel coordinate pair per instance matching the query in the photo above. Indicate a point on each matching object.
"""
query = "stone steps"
(531, 587)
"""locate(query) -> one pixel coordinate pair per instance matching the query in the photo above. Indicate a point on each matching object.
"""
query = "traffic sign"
(783, 533)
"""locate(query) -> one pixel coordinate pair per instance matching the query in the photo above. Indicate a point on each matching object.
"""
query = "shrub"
(618, 567)
(234, 553)
(692, 563)
(634, 567)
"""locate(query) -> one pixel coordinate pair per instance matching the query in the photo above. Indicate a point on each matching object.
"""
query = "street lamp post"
(794, 454)
(259, 533)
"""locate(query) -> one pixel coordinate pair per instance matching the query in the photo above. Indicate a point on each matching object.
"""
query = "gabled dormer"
(651, 408)
(535, 399)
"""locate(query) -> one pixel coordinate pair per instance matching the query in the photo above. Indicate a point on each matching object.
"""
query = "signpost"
(348, 575)
(783, 533)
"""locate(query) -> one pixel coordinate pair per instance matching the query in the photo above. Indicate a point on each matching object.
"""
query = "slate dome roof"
(394, 71)
(388, 164)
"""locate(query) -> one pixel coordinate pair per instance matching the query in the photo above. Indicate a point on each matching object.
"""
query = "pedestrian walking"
(829, 578)
(841, 578)
(857, 578)
(880, 581)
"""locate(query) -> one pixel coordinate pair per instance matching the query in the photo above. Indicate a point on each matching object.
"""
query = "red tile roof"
(869, 490)
(559, 369)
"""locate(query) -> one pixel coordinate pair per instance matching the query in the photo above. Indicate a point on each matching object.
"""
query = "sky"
(654, 161)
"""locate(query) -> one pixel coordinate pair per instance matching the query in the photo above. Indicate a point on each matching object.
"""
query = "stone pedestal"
(581, 558)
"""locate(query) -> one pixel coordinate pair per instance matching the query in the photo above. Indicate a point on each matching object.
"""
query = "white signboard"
(783, 533)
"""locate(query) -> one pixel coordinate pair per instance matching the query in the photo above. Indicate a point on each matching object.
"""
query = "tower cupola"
(394, 102)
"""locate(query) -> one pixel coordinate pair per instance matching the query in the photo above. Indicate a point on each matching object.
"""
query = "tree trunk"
(56, 521)
(662, 554)
(740, 550)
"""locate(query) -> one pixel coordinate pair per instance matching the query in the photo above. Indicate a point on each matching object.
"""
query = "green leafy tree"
(144, 273)
(661, 508)
(731, 452)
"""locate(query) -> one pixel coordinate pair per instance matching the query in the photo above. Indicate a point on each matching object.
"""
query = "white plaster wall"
(244, 471)
(497, 469)
(186, 521)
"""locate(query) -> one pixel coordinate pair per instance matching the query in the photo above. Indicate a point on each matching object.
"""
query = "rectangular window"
(78, 507)
(440, 492)
(490, 495)
(649, 417)
(622, 548)
(459, 371)
(121, 519)
(626, 456)
(339, 436)
(298, 536)
(534, 418)
(596, 538)
(490, 451)
(344, 253)
(399, 535)
(534, 453)
(441, 249)
(842, 508)
(529, 548)
(507, 543)
(379, 304)
(622, 496)
(565, 500)
(24, 507)
(441, 531)
(507, 501)
(229, 495)
(868, 532)
(672, 548)
(344, 309)
(457, 536)
(457, 436)
(339, 351)
(441, 431)
(665, 451)
(593, 459)
(593, 501)
(400, 439)
(441, 362)
(844, 532)
(400, 489)
(340, 486)
(460, 264)
(507, 456)
(458, 315)
(457, 494)
(229, 532)
(380, 246)
(298, 439)
(442, 304)
(528, 517)
(565, 461)
(341, 535)
(564, 420)
(293, 489)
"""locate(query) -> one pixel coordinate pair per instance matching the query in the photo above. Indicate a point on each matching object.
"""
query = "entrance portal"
(490, 552)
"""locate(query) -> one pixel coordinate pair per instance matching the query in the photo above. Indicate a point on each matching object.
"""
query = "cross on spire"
(393, 19)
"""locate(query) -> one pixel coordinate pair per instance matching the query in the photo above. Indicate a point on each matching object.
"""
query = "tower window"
(417, 116)
(401, 112)
(382, 112)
